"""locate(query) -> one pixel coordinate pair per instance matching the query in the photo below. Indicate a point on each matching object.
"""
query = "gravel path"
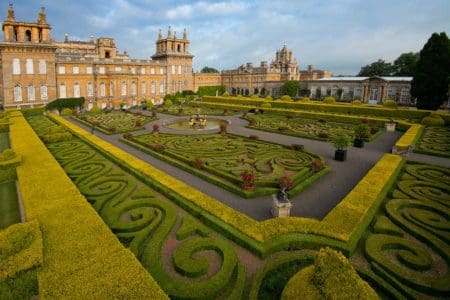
(316, 201)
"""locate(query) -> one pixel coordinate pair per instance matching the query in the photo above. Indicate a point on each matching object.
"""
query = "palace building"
(35, 69)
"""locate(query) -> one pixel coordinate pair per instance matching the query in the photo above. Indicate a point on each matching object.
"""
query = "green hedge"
(21, 254)
(62, 103)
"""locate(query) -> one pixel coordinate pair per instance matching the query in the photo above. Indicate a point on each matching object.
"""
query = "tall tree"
(431, 80)
(405, 64)
(207, 69)
(378, 68)
(290, 88)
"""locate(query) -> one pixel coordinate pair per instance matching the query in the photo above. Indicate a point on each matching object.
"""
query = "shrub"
(322, 121)
(57, 137)
(266, 105)
(112, 129)
(283, 128)
(268, 98)
(285, 183)
(226, 94)
(341, 141)
(433, 120)
(390, 103)
(356, 102)
(225, 111)
(67, 112)
(329, 100)
(298, 147)
(180, 111)
(198, 163)
(244, 114)
(364, 120)
(248, 179)
(154, 113)
(254, 96)
(7, 154)
(253, 137)
(223, 128)
(317, 165)
(158, 147)
(168, 102)
(155, 128)
(251, 122)
(138, 123)
(95, 110)
(323, 135)
(61, 103)
(127, 135)
(374, 129)
(362, 131)
(305, 99)
(286, 98)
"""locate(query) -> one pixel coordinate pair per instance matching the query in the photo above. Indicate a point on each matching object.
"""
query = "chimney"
(310, 68)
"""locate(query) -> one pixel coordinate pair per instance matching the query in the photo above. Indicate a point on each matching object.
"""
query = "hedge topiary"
(266, 105)
(390, 103)
(356, 102)
(329, 100)
(305, 99)
(168, 102)
(286, 98)
(268, 98)
(67, 112)
(254, 96)
(226, 94)
(331, 277)
(95, 110)
(433, 120)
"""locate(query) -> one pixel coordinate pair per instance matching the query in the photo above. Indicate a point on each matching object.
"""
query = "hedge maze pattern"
(184, 110)
(117, 122)
(308, 128)
(228, 156)
(408, 248)
(435, 141)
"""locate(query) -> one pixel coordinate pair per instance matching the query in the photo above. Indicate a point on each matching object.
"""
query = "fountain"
(196, 123)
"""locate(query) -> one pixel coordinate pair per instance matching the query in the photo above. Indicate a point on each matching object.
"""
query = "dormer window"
(107, 54)
(28, 35)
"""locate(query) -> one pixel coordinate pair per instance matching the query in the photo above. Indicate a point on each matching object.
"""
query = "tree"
(405, 64)
(290, 88)
(431, 80)
(378, 68)
(207, 69)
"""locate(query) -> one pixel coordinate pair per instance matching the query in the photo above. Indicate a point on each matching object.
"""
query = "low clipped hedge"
(330, 108)
(341, 228)
(409, 138)
(83, 259)
(21, 254)
(433, 120)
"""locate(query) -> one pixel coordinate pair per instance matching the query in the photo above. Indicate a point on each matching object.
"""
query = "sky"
(336, 35)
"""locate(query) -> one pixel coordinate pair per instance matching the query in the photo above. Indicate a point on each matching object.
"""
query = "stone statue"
(281, 194)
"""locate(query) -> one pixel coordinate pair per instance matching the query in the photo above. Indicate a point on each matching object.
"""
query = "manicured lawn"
(4, 141)
(116, 122)
(317, 129)
(222, 158)
(9, 207)
(435, 141)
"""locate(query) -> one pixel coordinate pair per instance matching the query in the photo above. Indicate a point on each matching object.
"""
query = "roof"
(359, 78)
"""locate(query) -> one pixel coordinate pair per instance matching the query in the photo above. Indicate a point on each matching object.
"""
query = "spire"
(42, 17)
(10, 13)
(159, 35)
(174, 34)
(169, 32)
(184, 34)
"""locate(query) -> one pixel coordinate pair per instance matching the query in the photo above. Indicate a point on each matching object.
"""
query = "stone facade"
(35, 69)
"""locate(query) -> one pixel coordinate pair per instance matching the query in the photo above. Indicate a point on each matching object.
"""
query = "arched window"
(18, 93)
(133, 88)
(31, 94)
(143, 89)
(152, 89)
(90, 90)
(62, 91)
(102, 89)
(28, 36)
(179, 48)
(124, 88)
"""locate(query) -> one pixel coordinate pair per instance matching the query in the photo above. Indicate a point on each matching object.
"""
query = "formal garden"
(187, 110)
(115, 121)
(242, 165)
(390, 232)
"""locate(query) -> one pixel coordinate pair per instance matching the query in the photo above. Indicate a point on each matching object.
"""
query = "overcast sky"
(340, 36)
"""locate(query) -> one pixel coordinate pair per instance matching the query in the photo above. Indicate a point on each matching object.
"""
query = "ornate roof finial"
(66, 37)
(184, 34)
(174, 34)
(10, 12)
(42, 18)
(159, 35)
(169, 32)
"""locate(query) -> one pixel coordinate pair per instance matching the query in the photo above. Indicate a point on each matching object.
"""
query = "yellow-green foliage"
(390, 103)
(7, 154)
(410, 137)
(329, 100)
(433, 120)
(67, 112)
(95, 110)
(255, 96)
(356, 102)
(286, 98)
(268, 98)
(331, 277)
(266, 105)
(20, 255)
(83, 258)
(305, 99)
(226, 94)
(168, 102)
(341, 223)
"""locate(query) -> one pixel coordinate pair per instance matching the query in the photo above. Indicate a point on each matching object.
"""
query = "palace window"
(90, 90)
(29, 66)
(101, 70)
(152, 71)
(392, 94)
(174, 86)
(161, 71)
(16, 66)
(357, 93)
(62, 70)
(405, 95)
(185, 69)
(118, 69)
(88, 70)
(31, 93)
(179, 69)
(345, 93)
(102, 89)
(174, 69)
(161, 88)
(152, 88)
(18, 93)
(111, 88)
(133, 70)
(323, 91)
(313, 91)
(133, 89)
(143, 88)
(62, 91)
(334, 90)
(76, 70)
(143, 71)
(124, 88)
(76, 90)
(43, 92)
(42, 66)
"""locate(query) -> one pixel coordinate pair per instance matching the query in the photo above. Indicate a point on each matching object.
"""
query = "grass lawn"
(9, 207)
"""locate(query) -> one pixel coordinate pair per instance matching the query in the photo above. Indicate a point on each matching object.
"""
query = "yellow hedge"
(82, 258)
(409, 138)
(342, 223)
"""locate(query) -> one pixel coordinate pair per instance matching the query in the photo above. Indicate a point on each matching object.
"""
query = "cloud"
(202, 8)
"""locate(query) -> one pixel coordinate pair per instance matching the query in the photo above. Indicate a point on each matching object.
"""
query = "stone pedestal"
(390, 127)
(280, 208)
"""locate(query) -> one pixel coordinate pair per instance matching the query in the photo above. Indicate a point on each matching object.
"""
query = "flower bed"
(223, 159)
(115, 122)
(434, 141)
